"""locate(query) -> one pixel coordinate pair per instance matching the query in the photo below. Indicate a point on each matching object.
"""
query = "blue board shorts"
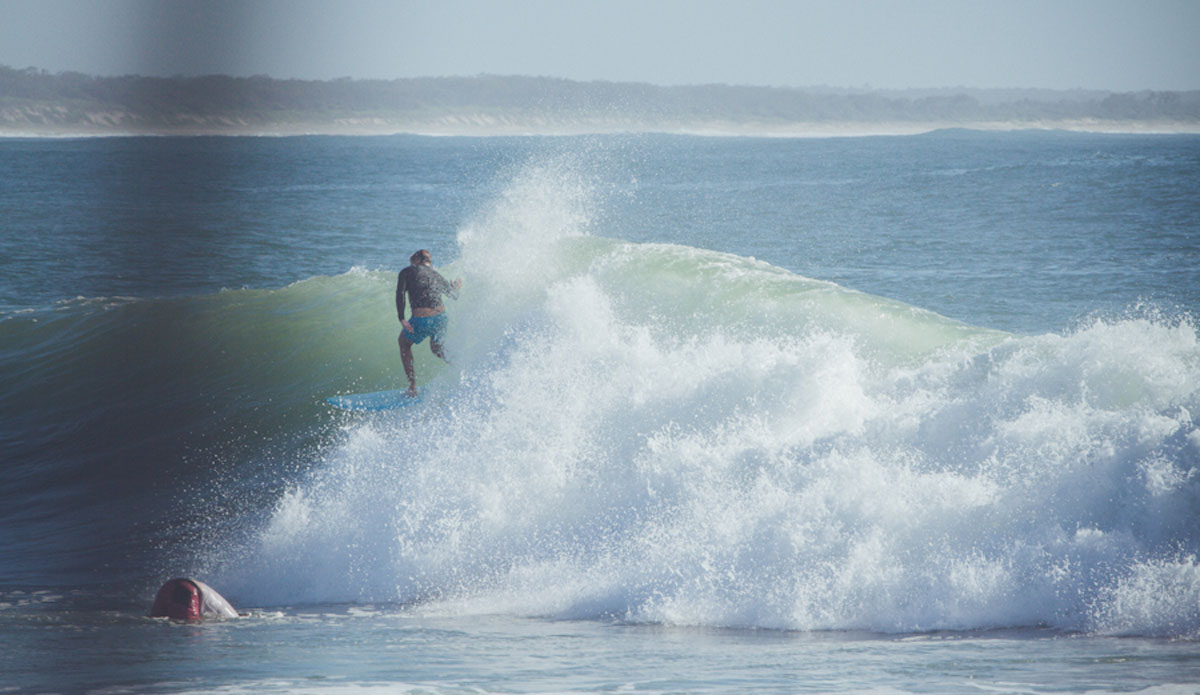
(426, 327)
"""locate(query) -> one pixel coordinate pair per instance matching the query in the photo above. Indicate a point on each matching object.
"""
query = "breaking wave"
(659, 433)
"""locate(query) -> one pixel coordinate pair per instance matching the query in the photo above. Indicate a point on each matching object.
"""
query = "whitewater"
(650, 465)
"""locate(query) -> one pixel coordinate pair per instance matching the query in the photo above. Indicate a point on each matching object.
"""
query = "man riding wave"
(424, 288)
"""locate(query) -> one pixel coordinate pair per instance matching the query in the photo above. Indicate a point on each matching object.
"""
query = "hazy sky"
(1061, 44)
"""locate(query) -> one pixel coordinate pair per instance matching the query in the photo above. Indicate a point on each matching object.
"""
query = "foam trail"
(665, 434)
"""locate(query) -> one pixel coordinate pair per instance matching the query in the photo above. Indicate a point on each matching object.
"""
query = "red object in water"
(188, 599)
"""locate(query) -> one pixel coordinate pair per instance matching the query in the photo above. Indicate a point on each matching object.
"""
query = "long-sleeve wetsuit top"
(425, 287)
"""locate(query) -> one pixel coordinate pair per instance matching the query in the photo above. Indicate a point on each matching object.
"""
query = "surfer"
(425, 288)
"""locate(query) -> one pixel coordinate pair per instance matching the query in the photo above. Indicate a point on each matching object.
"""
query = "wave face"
(657, 433)
(130, 425)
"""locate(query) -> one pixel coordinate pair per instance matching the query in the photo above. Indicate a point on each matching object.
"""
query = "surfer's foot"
(412, 392)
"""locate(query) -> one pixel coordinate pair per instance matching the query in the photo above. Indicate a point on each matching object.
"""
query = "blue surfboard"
(379, 400)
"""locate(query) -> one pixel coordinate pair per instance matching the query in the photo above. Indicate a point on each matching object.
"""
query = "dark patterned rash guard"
(424, 286)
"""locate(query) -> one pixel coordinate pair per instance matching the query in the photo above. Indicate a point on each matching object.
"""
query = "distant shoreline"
(784, 131)
(39, 104)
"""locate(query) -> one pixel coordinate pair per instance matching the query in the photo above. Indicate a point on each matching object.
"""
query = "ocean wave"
(658, 433)
(633, 431)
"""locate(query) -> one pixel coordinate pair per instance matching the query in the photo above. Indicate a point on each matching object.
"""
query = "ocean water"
(908, 414)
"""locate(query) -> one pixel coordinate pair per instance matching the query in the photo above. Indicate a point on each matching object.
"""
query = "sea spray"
(513, 251)
(741, 446)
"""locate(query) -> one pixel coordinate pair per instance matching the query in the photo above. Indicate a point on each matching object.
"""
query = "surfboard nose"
(189, 599)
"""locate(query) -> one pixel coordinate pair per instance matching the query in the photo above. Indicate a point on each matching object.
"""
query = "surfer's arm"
(450, 289)
(400, 288)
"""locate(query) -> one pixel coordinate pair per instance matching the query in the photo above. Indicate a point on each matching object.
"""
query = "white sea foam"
(746, 447)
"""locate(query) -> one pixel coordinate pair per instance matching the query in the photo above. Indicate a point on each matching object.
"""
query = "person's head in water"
(421, 257)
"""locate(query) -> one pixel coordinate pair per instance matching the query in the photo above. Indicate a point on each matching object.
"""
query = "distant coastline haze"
(36, 102)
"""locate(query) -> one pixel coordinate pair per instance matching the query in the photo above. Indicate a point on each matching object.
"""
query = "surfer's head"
(421, 257)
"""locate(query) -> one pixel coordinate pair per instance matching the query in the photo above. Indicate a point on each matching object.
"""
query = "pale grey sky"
(1121, 45)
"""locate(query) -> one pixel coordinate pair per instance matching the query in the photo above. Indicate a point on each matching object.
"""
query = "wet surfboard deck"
(378, 400)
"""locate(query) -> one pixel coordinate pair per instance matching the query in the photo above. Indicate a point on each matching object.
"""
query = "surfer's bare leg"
(437, 350)
(406, 357)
